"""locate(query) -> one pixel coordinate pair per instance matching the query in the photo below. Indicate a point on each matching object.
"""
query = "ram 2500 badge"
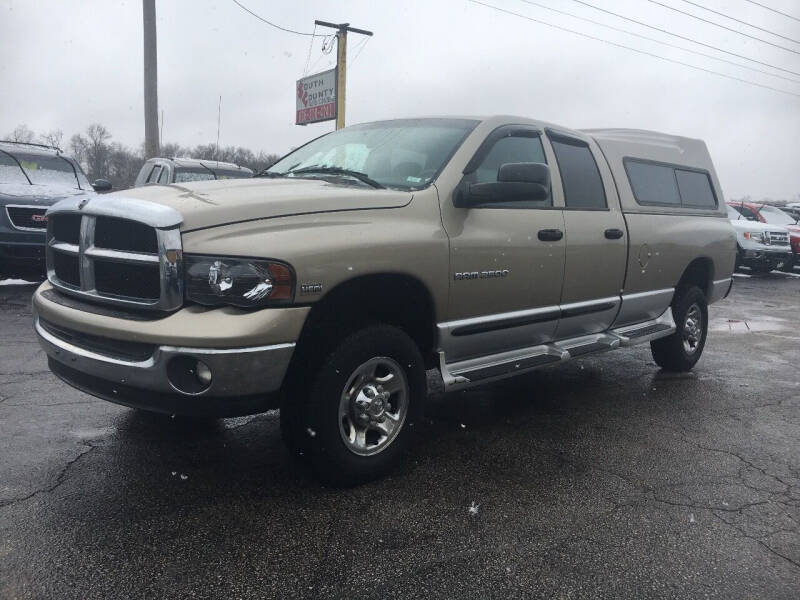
(480, 247)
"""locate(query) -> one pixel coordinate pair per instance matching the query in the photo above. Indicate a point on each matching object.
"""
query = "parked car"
(774, 216)
(184, 170)
(33, 177)
(759, 247)
(483, 248)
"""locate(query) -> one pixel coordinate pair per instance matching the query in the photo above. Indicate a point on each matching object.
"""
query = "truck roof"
(30, 147)
(199, 162)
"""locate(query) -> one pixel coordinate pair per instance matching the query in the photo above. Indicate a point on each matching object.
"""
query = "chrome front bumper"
(235, 371)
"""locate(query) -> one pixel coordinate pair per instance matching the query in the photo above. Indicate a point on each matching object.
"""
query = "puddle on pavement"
(747, 325)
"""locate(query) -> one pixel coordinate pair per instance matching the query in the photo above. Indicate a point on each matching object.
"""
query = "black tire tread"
(668, 352)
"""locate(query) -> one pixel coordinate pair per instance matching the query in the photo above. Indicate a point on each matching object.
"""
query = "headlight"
(218, 280)
(756, 236)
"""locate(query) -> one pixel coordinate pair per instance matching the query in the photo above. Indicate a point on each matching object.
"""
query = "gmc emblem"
(39, 218)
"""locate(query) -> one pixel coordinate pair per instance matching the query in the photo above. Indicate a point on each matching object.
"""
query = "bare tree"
(54, 137)
(21, 133)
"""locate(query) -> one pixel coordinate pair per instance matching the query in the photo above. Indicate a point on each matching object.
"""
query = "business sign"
(316, 98)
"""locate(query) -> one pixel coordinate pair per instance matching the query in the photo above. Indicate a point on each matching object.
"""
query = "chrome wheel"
(692, 329)
(373, 406)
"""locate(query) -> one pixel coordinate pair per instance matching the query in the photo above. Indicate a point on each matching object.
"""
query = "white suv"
(760, 246)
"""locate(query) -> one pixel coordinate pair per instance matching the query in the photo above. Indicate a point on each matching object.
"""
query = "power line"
(716, 12)
(736, 31)
(663, 43)
(310, 46)
(773, 10)
(359, 49)
(609, 42)
(260, 18)
(688, 39)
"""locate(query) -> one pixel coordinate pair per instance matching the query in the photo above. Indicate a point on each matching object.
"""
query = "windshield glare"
(48, 170)
(404, 154)
(775, 216)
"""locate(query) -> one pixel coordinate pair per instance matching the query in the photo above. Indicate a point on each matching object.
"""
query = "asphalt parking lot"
(599, 478)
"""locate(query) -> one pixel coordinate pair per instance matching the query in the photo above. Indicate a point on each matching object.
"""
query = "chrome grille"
(27, 218)
(116, 251)
(777, 238)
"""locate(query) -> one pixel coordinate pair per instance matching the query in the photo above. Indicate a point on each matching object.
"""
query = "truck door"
(506, 259)
(597, 241)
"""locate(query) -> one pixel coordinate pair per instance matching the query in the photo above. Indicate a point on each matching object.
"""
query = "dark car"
(182, 170)
(33, 178)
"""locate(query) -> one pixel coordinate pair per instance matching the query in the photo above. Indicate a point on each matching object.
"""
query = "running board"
(474, 371)
(484, 369)
(647, 331)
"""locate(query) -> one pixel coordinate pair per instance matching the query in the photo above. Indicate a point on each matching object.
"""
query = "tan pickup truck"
(480, 247)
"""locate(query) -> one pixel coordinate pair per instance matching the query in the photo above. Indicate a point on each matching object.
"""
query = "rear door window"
(583, 186)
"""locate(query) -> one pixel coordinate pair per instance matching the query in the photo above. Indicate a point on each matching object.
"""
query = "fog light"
(203, 373)
(188, 375)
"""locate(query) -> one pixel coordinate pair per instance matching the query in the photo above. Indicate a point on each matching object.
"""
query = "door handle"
(614, 234)
(550, 235)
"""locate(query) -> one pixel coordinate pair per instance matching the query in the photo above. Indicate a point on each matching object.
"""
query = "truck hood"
(212, 203)
(44, 195)
(745, 225)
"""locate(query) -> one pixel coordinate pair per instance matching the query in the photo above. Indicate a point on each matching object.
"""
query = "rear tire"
(680, 351)
(362, 404)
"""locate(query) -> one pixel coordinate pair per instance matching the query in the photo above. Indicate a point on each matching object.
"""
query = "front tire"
(680, 351)
(362, 405)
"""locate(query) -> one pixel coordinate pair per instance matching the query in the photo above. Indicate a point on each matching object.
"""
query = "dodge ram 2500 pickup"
(479, 247)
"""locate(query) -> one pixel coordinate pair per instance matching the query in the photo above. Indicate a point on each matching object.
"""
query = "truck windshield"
(404, 154)
(775, 216)
(49, 170)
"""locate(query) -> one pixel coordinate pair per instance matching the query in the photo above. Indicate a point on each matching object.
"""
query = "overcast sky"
(68, 64)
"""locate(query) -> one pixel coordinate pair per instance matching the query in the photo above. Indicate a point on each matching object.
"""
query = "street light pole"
(150, 79)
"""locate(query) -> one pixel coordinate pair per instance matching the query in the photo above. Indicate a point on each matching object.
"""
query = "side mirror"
(102, 185)
(515, 182)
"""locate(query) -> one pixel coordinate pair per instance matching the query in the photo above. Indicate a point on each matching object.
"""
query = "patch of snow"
(473, 508)
(184, 477)
(691, 518)
(311, 432)
(16, 282)
(742, 275)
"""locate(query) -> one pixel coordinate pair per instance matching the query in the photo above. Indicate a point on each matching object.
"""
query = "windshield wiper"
(266, 173)
(363, 177)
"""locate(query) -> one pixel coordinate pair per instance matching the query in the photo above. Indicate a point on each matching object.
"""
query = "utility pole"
(150, 79)
(341, 64)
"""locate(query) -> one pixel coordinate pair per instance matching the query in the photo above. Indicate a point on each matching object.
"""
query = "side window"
(695, 189)
(583, 185)
(153, 177)
(509, 150)
(669, 185)
(164, 177)
(653, 184)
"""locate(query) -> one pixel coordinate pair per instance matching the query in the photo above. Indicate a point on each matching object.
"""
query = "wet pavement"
(598, 478)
